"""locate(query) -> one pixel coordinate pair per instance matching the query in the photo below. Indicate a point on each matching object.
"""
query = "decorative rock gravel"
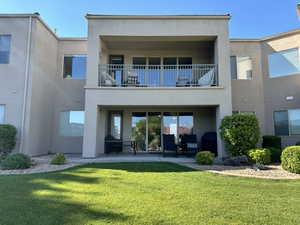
(271, 171)
(42, 165)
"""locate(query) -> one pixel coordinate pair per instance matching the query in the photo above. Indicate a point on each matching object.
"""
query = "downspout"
(25, 94)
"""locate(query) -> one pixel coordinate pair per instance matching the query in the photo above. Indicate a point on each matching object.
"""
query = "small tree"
(7, 139)
(240, 133)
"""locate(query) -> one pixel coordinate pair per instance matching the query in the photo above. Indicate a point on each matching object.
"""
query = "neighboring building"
(139, 77)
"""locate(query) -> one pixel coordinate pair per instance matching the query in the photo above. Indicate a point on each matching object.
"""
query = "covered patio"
(171, 130)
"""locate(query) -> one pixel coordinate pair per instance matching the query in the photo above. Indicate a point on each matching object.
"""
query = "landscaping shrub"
(58, 159)
(205, 158)
(271, 142)
(275, 154)
(262, 156)
(16, 161)
(290, 159)
(7, 138)
(240, 133)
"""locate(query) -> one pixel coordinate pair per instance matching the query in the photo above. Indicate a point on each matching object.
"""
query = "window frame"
(282, 75)
(63, 66)
(9, 52)
(289, 122)
(59, 123)
(162, 58)
(236, 66)
(4, 114)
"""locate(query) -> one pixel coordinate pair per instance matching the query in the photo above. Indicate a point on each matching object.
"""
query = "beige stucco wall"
(12, 75)
(40, 102)
(48, 93)
(97, 97)
(69, 96)
(277, 89)
(247, 95)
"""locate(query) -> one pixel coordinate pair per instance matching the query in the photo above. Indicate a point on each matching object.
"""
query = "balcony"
(158, 76)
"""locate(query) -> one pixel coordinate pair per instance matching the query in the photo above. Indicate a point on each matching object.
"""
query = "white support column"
(221, 112)
(90, 130)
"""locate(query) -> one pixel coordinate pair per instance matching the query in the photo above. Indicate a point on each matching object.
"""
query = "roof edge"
(283, 34)
(101, 16)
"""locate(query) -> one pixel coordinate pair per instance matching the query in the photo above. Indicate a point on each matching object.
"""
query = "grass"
(145, 193)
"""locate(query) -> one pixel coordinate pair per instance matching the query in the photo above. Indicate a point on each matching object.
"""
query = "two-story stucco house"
(140, 78)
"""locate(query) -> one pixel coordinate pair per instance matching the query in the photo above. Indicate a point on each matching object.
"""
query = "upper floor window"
(241, 67)
(284, 63)
(75, 66)
(2, 114)
(287, 122)
(4, 48)
(71, 123)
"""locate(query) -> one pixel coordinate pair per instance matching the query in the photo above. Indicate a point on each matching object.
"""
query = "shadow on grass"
(39, 199)
(54, 198)
(142, 167)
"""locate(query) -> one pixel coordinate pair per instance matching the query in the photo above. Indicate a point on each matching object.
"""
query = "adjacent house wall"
(247, 95)
(277, 89)
(69, 96)
(43, 69)
(12, 75)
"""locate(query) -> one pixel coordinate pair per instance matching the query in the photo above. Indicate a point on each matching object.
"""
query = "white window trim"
(63, 63)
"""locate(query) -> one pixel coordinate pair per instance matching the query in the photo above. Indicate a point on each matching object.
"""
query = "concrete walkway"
(77, 159)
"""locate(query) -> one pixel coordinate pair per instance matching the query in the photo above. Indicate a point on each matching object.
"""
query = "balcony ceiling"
(158, 43)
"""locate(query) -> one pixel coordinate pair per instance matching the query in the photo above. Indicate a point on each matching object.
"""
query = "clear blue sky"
(250, 18)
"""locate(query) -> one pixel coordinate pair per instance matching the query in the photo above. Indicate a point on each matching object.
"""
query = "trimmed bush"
(271, 142)
(290, 159)
(240, 133)
(58, 159)
(205, 158)
(16, 161)
(7, 138)
(262, 156)
(275, 154)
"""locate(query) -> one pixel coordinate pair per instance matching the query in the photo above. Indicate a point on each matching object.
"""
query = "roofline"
(283, 34)
(244, 40)
(32, 15)
(95, 16)
(100, 16)
(72, 39)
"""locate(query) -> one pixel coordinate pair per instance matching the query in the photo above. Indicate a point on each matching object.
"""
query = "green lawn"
(145, 193)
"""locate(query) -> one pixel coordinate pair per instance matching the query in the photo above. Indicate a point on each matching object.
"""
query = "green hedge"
(271, 142)
(275, 154)
(240, 133)
(7, 138)
(290, 159)
(205, 158)
(262, 156)
(16, 161)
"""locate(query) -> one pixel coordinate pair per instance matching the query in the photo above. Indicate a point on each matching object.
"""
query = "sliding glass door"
(154, 131)
(170, 124)
(148, 128)
(138, 124)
